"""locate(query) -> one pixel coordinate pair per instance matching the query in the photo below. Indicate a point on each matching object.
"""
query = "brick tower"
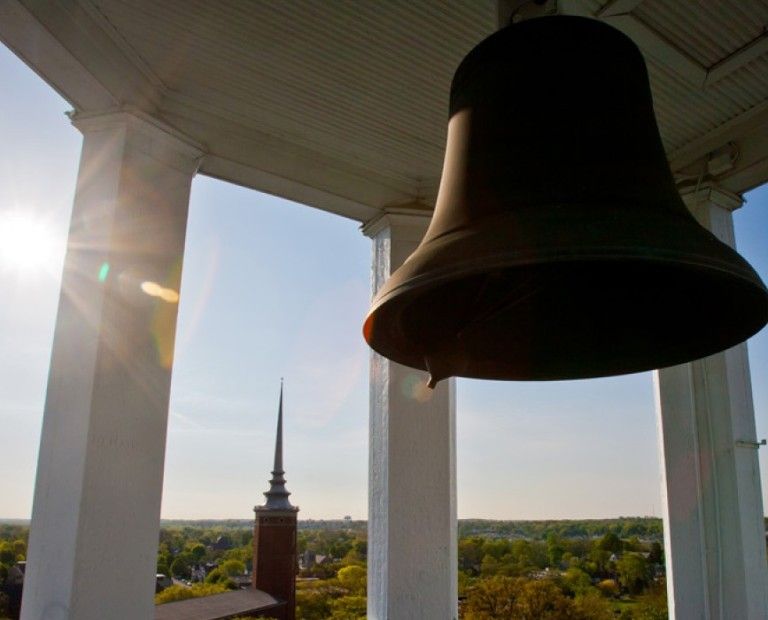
(274, 536)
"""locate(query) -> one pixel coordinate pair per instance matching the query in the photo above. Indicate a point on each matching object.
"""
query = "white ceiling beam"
(119, 41)
(26, 36)
(755, 48)
(268, 163)
(91, 56)
(618, 7)
(744, 123)
(284, 187)
(749, 132)
(746, 177)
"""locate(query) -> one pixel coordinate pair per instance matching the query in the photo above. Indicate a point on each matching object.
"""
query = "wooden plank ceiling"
(343, 104)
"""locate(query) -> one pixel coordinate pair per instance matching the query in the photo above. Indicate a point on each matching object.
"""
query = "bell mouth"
(482, 303)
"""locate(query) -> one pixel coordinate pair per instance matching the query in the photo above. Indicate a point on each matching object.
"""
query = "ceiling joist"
(738, 59)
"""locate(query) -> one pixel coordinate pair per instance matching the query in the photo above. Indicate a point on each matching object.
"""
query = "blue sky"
(270, 289)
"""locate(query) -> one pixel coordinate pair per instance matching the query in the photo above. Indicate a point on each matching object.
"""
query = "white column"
(95, 521)
(713, 512)
(412, 546)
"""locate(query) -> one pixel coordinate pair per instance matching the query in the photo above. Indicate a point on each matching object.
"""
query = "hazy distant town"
(543, 570)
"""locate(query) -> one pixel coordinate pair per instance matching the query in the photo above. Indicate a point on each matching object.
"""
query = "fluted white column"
(96, 515)
(713, 510)
(412, 547)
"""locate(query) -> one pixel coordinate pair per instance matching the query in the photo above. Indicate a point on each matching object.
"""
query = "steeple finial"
(277, 496)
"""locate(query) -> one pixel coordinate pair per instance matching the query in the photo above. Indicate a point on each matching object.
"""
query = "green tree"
(653, 604)
(239, 553)
(180, 567)
(576, 581)
(348, 608)
(313, 603)
(633, 572)
(492, 598)
(196, 550)
(597, 565)
(7, 554)
(610, 542)
(215, 576)
(496, 548)
(231, 568)
(353, 578)
(656, 556)
(470, 555)
(180, 593)
(353, 557)
(609, 588)
(633, 544)
(591, 606)
(361, 547)
(506, 598)
(20, 549)
(489, 566)
(555, 550)
(543, 600)
(465, 582)
(162, 567)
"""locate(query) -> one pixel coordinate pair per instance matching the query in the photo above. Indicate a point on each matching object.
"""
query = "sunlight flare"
(26, 243)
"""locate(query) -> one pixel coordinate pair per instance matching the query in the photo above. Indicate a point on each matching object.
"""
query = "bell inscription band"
(559, 246)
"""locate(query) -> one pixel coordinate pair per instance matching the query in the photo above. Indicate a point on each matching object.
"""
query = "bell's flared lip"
(470, 268)
(685, 243)
(444, 259)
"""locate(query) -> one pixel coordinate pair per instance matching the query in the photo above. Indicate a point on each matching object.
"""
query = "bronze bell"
(560, 247)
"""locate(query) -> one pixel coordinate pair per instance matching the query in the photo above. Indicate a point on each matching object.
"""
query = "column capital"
(712, 194)
(147, 133)
(415, 215)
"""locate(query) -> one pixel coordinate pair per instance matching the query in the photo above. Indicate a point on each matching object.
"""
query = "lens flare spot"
(164, 319)
(153, 289)
(103, 272)
(414, 386)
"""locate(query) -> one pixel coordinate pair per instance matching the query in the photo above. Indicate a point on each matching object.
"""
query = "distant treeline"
(649, 528)
(646, 528)
(240, 524)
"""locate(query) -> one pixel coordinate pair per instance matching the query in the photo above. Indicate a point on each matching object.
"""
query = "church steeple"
(275, 561)
(277, 496)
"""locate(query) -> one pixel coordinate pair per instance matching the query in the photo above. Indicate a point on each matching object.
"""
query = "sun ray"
(27, 244)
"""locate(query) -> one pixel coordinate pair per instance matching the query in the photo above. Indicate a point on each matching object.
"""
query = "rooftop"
(218, 606)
